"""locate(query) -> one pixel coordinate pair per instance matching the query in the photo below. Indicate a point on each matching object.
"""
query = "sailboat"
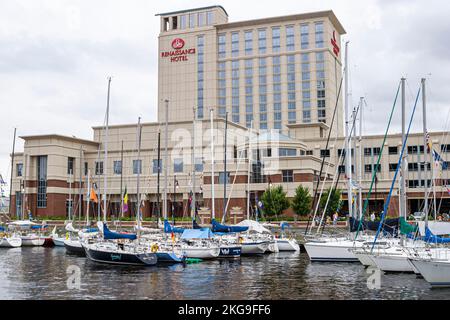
(229, 243)
(396, 258)
(339, 249)
(286, 243)
(121, 248)
(7, 239)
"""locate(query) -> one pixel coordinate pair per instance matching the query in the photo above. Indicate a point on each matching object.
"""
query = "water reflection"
(40, 273)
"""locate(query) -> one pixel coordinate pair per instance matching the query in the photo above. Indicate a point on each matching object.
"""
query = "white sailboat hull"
(365, 259)
(287, 245)
(254, 247)
(31, 241)
(333, 251)
(392, 263)
(201, 253)
(10, 242)
(273, 247)
(436, 273)
(59, 242)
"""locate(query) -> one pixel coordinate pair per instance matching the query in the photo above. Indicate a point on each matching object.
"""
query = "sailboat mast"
(105, 166)
(88, 197)
(347, 139)
(249, 158)
(70, 193)
(425, 146)
(360, 166)
(80, 189)
(405, 154)
(213, 209)
(193, 211)
(166, 164)
(225, 170)
(139, 168)
(158, 204)
(12, 172)
(121, 181)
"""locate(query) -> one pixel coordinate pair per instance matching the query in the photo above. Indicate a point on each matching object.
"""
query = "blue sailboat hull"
(170, 257)
(230, 252)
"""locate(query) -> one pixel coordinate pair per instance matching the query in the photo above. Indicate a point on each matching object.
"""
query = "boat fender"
(154, 248)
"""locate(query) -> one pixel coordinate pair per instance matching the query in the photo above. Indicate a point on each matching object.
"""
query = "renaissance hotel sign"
(179, 53)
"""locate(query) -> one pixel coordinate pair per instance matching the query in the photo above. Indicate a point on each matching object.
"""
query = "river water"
(41, 273)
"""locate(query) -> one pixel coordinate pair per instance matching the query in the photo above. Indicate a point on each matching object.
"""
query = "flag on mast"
(93, 196)
(125, 200)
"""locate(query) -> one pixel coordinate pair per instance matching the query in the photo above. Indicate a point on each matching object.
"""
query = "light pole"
(175, 187)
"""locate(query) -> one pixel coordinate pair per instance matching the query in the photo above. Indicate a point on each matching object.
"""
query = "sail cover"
(390, 226)
(253, 226)
(406, 228)
(108, 234)
(436, 227)
(430, 237)
(204, 233)
(169, 229)
(217, 227)
(195, 224)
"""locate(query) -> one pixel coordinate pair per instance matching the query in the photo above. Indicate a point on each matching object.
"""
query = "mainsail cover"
(430, 237)
(217, 227)
(406, 228)
(108, 234)
(390, 226)
(169, 229)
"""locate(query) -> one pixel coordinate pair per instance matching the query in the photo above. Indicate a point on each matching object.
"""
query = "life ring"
(154, 248)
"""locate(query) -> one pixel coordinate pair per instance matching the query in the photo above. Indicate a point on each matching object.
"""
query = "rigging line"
(232, 185)
(326, 147)
(444, 142)
(386, 205)
(337, 173)
(324, 181)
(374, 174)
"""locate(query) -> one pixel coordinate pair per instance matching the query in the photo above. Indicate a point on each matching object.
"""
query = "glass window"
(192, 18)
(137, 166)
(304, 36)
(19, 169)
(70, 163)
(118, 167)
(287, 152)
(393, 150)
(198, 164)
(183, 22)
(276, 39)
(209, 18)
(42, 182)
(222, 177)
(288, 175)
(99, 168)
(157, 165)
(178, 165)
(319, 35)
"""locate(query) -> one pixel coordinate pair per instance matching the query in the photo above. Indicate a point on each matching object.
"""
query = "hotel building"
(275, 80)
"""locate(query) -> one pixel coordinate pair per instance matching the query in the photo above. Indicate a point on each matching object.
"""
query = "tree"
(302, 201)
(274, 201)
(335, 202)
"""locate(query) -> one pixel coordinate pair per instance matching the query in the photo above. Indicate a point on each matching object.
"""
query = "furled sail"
(217, 227)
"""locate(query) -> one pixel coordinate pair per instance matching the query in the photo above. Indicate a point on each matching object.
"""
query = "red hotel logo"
(178, 43)
(179, 54)
(335, 45)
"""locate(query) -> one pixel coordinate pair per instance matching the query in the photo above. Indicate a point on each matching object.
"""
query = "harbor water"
(42, 273)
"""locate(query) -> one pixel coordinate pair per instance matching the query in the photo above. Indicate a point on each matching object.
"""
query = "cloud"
(55, 56)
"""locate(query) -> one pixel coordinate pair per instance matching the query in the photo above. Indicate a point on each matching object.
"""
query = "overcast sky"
(55, 56)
